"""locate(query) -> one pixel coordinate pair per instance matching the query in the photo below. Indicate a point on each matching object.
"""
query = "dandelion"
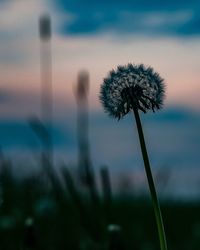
(136, 88)
(131, 87)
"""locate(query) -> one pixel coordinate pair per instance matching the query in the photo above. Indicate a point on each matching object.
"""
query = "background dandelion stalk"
(156, 206)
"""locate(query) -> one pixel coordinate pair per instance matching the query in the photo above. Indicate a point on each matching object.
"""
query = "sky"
(97, 36)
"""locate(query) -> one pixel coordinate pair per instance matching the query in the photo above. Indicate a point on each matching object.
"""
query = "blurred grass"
(38, 213)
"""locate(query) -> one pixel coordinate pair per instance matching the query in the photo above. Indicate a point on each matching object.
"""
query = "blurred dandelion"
(29, 235)
(82, 89)
(85, 167)
(115, 237)
(134, 88)
(46, 79)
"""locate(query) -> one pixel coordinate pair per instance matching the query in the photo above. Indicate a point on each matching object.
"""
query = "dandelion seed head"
(29, 221)
(131, 87)
(113, 228)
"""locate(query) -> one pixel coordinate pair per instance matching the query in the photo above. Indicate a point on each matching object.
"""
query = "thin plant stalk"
(156, 206)
(107, 193)
(85, 166)
(46, 81)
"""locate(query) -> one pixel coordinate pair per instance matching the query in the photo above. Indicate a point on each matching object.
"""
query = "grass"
(60, 222)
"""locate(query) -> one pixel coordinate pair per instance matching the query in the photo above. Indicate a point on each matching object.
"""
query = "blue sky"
(97, 36)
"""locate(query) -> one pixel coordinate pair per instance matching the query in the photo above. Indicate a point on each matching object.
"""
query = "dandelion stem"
(156, 206)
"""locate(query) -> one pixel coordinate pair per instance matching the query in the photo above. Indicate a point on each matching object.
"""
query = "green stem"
(156, 206)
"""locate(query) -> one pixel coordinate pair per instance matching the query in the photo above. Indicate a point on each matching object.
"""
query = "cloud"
(5, 96)
(155, 17)
(19, 30)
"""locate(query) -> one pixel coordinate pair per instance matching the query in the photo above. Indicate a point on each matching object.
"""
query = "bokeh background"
(44, 205)
(97, 36)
